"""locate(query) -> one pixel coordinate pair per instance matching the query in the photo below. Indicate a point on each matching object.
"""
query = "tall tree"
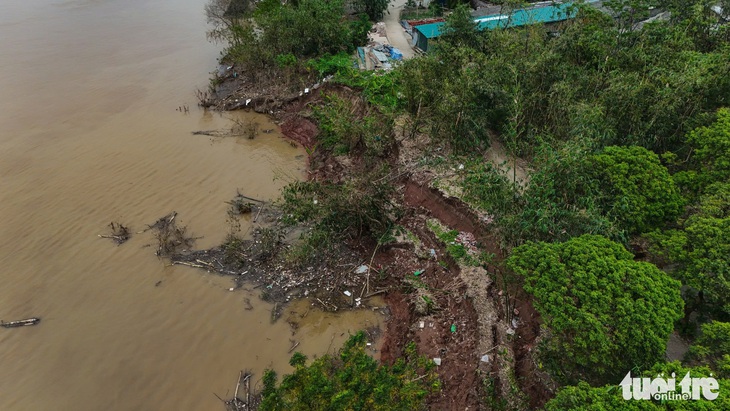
(583, 397)
(636, 189)
(604, 313)
(712, 348)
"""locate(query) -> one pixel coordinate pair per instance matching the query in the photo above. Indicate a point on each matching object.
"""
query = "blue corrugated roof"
(518, 18)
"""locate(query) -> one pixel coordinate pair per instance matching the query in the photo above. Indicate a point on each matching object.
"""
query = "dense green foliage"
(302, 29)
(374, 9)
(702, 251)
(558, 204)
(712, 347)
(607, 313)
(634, 188)
(608, 398)
(593, 82)
(346, 126)
(352, 380)
(592, 105)
(711, 154)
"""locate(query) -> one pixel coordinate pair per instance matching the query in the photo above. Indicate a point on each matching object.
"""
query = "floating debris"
(20, 323)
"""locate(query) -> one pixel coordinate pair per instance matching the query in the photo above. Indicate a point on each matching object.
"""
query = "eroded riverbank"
(95, 136)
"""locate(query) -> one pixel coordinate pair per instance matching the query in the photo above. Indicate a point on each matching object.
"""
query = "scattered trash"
(461, 166)
(515, 323)
(437, 361)
(248, 101)
(468, 241)
(433, 253)
(419, 272)
(511, 331)
(368, 344)
(231, 289)
(421, 324)
(453, 328)
(347, 293)
(306, 91)
(362, 269)
(485, 358)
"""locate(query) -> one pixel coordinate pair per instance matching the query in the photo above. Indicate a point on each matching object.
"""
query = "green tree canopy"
(605, 313)
(375, 9)
(584, 397)
(712, 348)
(351, 380)
(636, 189)
(712, 149)
(460, 29)
(559, 202)
(701, 249)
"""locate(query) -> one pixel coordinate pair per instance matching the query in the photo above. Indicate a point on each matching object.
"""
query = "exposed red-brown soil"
(460, 372)
(301, 130)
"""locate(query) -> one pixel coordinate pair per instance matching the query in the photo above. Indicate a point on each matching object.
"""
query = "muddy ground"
(482, 330)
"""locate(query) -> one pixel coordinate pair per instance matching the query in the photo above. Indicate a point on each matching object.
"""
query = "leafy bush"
(486, 188)
(607, 313)
(559, 202)
(635, 189)
(327, 64)
(609, 398)
(701, 250)
(346, 124)
(379, 89)
(362, 205)
(712, 348)
(352, 380)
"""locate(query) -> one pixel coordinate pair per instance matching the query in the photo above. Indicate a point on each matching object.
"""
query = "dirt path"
(394, 31)
(497, 155)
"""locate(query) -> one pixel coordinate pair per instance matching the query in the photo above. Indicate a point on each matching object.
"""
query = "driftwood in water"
(120, 233)
(20, 323)
(170, 237)
(238, 404)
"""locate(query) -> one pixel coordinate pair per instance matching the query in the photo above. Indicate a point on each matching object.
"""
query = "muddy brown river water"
(89, 133)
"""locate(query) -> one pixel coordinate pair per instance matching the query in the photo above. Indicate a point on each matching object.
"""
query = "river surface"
(90, 133)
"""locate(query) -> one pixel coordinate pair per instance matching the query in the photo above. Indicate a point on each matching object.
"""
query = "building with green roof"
(425, 33)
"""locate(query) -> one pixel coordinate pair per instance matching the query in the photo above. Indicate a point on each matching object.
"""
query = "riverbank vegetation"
(617, 235)
(351, 380)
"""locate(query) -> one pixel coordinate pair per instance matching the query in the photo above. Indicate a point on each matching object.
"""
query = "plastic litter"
(437, 361)
(453, 328)
(347, 293)
(362, 269)
(485, 358)
(419, 272)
